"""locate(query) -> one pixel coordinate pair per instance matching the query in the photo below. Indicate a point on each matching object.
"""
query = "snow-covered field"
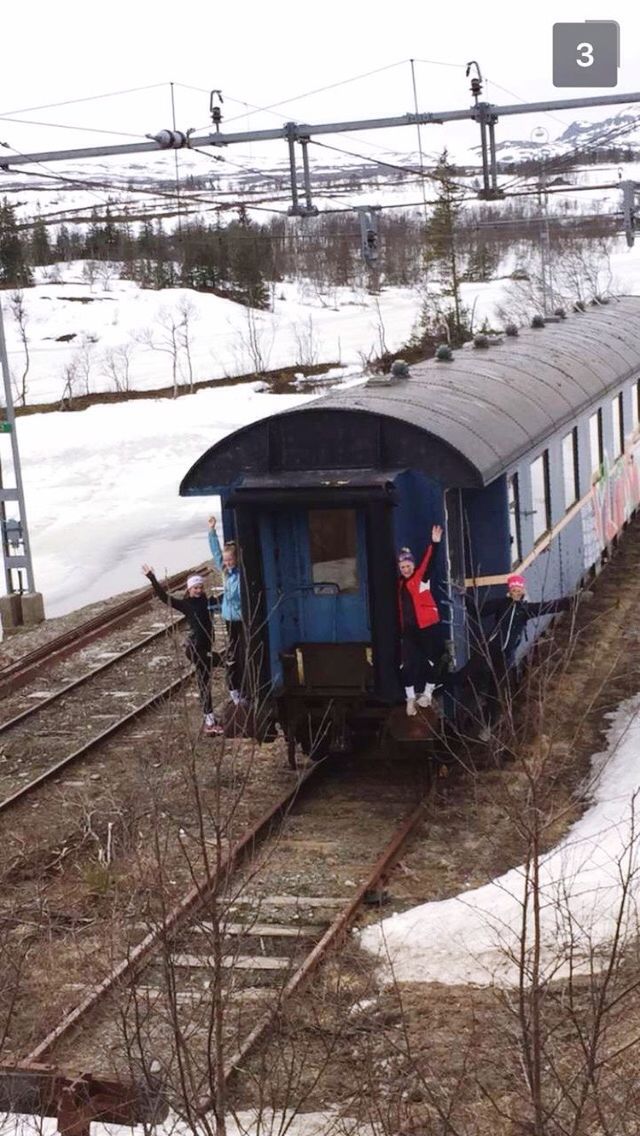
(113, 316)
(101, 488)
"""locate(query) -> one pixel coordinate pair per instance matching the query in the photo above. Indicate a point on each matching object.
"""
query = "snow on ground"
(474, 937)
(226, 339)
(101, 488)
(250, 1123)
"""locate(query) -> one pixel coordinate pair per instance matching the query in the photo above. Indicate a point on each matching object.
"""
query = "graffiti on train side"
(611, 502)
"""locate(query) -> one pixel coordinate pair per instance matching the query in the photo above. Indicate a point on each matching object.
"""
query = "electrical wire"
(83, 99)
(565, 161)
(427, 174)
(305, 94)
(64, 126)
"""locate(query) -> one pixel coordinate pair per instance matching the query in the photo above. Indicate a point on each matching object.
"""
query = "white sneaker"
(209, 719)
(424, 699)
(235, 697)
(411, 708)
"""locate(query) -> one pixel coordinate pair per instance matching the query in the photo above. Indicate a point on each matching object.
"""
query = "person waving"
(420, 629)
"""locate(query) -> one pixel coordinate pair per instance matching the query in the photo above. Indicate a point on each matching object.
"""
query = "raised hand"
(212, 523)
(436, 534)
(147, 569)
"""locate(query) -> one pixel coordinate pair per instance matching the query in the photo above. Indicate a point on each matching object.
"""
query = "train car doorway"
(315, 577)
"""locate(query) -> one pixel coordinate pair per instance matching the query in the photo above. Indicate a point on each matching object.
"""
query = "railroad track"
(20, 671)
(250, 934)
(72, 721)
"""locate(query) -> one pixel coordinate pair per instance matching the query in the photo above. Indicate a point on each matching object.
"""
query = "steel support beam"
(297, 131)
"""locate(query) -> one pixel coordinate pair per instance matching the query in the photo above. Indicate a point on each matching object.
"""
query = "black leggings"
(236, 654)
(422, 649)
(203, 663)
(484, 683)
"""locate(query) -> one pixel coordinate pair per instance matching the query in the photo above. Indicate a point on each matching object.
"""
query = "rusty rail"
(94, 742)
(20, 671)
(329, 940)
(183, 911)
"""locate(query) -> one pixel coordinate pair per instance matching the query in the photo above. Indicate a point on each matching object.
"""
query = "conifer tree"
(441, 251)
(40, 252)
(14, 270)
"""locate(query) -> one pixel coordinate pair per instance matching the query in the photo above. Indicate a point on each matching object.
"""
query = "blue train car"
(526, 452)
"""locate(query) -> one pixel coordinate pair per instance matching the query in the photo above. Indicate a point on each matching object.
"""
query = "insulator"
(170, 139)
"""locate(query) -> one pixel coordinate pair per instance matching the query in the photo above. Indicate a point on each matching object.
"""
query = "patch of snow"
(267, 1122)
(474, 937)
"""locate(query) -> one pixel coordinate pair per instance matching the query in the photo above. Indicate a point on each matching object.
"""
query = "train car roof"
(482, 410)
(493, 404)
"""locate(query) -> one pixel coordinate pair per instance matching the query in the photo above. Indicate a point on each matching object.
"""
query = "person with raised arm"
(226, 560)
(194, 605)
(420, 630)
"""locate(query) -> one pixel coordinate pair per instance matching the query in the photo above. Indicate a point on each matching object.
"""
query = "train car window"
(333, 546)
(595, 445)
(514, 519)
(570, 468)
(540, 496)
(618, 426)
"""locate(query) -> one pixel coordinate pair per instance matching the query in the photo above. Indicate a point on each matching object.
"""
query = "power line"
(428, 175)
(305, 94)
(84, 99)
(65, 126)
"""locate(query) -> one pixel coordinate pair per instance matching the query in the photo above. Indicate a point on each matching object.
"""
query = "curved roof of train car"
(490, 406)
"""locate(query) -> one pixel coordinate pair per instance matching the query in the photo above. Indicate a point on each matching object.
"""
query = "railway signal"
(369, 235)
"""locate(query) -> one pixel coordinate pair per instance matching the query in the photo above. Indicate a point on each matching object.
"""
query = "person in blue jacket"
(226, 560)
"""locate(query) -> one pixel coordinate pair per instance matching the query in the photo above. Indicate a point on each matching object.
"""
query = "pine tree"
(440, 233)
(40, 252)
(63, 244)
(247, 249)
(14, 271)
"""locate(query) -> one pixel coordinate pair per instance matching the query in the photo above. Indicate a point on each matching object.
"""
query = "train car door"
(315, 573)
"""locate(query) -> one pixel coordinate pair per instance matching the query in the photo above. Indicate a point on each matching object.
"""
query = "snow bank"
(474, 937)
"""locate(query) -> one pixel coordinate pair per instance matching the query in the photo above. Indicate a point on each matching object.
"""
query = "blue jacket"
(231, 601)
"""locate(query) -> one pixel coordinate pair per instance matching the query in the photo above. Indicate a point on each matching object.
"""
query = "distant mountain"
(619, 133)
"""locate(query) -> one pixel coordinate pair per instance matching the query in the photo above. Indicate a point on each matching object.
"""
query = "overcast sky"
(262, 54)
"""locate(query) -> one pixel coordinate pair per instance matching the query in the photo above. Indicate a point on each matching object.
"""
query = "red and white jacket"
(419, 587)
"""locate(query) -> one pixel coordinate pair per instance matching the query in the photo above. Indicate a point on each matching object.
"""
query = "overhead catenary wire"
(68, 126)
(305, 94)
(83, 99)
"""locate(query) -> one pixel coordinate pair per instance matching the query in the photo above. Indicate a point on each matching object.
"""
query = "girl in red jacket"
(421, 634)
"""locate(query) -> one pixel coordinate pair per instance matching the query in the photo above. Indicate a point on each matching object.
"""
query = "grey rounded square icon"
(586, 54)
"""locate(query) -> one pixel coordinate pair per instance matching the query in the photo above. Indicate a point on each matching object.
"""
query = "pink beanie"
(516, 581)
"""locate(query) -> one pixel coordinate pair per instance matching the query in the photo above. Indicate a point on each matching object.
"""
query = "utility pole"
(20, 605)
